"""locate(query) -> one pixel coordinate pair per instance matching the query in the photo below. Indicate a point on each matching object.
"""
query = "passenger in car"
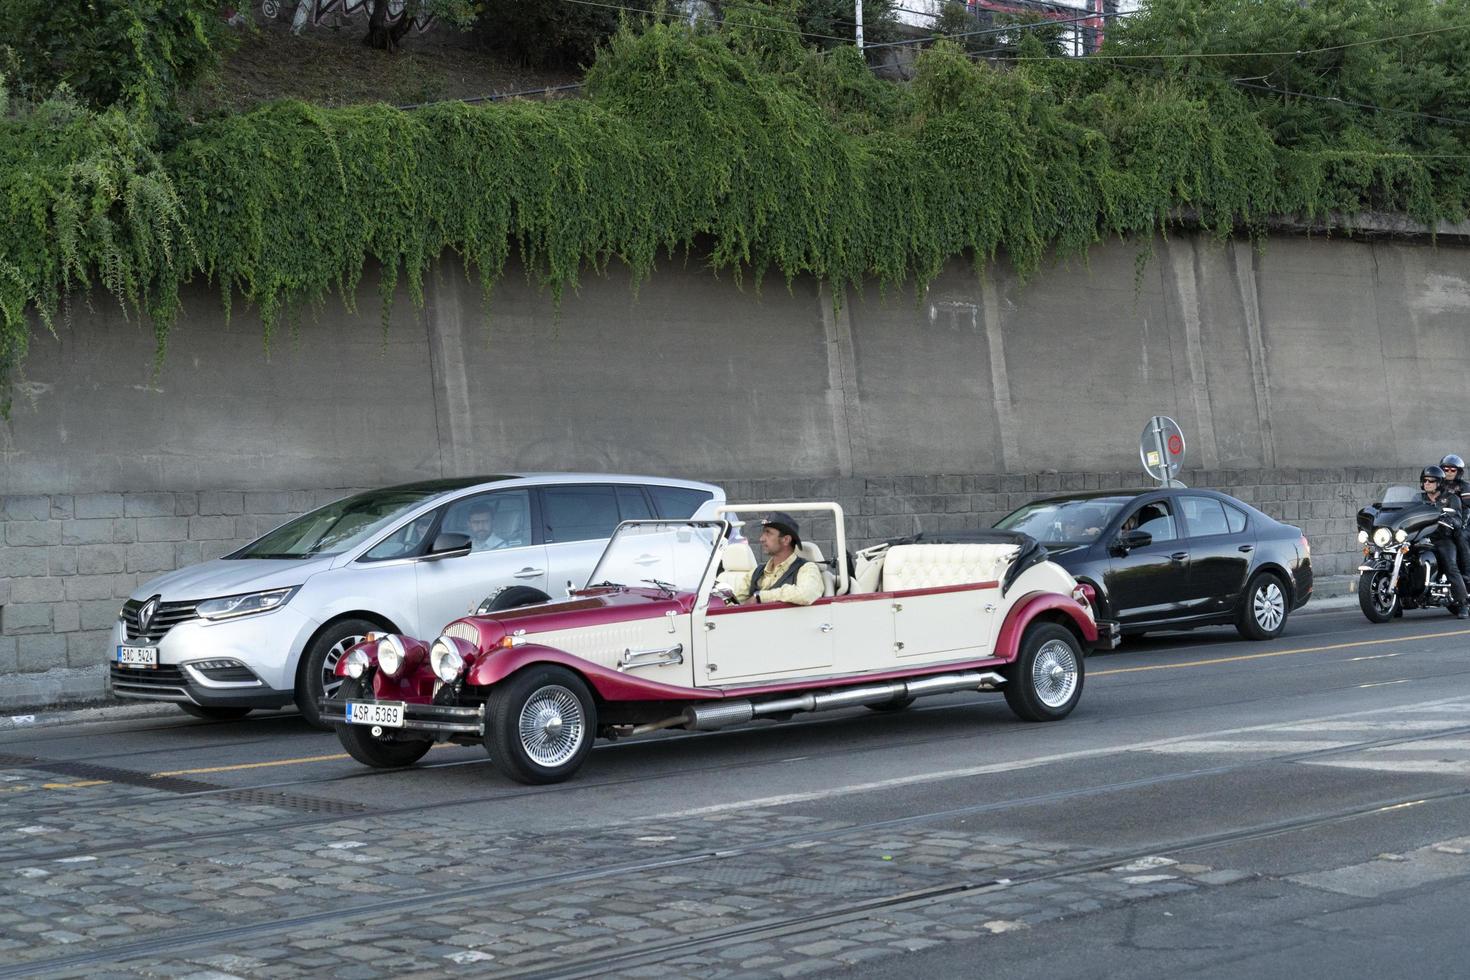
(786, 576)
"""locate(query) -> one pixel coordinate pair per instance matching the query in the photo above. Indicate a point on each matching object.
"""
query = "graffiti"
(333, 12)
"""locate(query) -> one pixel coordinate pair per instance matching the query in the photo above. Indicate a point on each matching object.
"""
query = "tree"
(386, 33)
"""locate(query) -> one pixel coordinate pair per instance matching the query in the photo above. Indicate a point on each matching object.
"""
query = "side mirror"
(1129, 540)
(448, 545)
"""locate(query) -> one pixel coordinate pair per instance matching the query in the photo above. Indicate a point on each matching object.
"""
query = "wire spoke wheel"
(551, 726)
(1054, 673)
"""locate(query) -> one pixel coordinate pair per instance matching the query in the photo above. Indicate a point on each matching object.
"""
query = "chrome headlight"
(247, 604)
(1401, 535)
(357, 663)
(444, 658)
(1382, 537)
(391, 655)
(1362, 537)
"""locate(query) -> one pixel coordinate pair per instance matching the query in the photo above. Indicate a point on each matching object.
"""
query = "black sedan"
(1175, 558)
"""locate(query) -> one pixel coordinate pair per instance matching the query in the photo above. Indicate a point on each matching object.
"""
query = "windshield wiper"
(662, 585)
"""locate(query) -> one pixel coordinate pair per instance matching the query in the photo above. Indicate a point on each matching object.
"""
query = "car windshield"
(337, 527)
(1065, 521)
(660, 554)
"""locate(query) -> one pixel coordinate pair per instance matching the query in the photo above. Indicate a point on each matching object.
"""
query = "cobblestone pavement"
(530, 920)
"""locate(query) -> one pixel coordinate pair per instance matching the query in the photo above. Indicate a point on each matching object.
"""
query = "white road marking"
(1437, 766)
(1247, 745)
(1376, 726)
(944, 775)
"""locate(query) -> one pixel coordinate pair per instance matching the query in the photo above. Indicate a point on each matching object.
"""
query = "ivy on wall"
(764, 156)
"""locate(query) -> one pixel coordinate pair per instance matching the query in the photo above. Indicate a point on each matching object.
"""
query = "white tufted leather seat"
(812, 553)
(866, 574)
(927, 566)
(739, 562)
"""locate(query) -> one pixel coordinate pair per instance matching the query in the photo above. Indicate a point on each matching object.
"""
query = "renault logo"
(145, 614)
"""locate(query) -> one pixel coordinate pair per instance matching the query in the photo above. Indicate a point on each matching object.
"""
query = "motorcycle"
(1400, 569)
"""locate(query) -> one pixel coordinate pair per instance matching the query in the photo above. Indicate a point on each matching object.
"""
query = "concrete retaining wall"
(1287, 367)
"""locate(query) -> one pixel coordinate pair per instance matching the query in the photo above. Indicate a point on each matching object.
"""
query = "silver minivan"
(266, 625)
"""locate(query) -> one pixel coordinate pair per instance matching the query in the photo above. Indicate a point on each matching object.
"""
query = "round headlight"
(390, 655)
(1382, 537)
(1362, 537)
(1401, 535)
(357, 663)
(444, 658)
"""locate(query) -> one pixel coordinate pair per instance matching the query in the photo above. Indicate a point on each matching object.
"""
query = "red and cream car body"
(653, 642)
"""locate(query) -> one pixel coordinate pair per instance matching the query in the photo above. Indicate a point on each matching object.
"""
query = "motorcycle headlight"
(445, 660)
(357, 663)
(1362, 537)
(247, 604)
(1401, 535)
(1382, 537)
(390, 655)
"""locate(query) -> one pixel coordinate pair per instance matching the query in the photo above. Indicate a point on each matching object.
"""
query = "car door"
(503, 552)
(1148, 584)
(576, 521)
(1221, 543)
(748, 644)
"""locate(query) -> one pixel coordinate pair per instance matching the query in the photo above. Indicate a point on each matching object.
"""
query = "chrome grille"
(165, 617)
(463, 631)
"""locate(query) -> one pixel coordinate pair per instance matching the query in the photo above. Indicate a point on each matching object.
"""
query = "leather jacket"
(1450, 523)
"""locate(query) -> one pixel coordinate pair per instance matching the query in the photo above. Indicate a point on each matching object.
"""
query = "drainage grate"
(290, 801)
(126, 777)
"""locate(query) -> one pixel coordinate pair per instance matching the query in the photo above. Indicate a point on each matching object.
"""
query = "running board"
(718, 714)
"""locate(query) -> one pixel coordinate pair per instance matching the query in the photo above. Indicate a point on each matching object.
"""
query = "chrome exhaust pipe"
(718, 714)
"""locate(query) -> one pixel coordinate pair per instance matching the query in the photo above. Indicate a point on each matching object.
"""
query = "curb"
(83, 715)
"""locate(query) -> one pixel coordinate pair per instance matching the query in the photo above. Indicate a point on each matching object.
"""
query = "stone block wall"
(67, 561)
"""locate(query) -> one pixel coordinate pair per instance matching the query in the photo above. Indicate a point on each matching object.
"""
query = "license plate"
(130, 656)
(388, 714)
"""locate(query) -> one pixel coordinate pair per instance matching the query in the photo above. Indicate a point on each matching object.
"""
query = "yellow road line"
(85, 782)
(1277, 653)
(252, 765)
(277, 762)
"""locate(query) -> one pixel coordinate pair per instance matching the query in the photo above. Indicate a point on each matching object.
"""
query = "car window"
(493, 521)
(1204, 515)
(1157, 518)
(579, 513)
(1236, 518)
(405, 542)
(633, 505)
(677, 502)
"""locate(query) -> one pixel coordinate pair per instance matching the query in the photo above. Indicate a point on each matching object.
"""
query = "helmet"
(1431, 473)
(1453, 460)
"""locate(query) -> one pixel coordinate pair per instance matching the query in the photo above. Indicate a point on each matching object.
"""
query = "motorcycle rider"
(1454, 483)
(1431, 487)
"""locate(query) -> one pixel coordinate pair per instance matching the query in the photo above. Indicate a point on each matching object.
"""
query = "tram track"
(188, 789)
(609, 964)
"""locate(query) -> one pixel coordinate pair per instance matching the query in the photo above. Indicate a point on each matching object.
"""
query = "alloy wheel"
(1269, 606)
(330, 681)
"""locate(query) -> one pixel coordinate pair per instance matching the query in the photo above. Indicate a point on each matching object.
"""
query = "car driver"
(786, 576)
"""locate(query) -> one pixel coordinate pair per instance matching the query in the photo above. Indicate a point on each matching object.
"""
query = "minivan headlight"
(1382, 537)
(391, 655)
(247, 604)
(446, 660)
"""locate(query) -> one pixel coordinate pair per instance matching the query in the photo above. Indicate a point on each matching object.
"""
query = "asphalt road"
(1213, 808)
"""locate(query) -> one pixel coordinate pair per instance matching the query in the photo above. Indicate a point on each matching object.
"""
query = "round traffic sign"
(1161, 448)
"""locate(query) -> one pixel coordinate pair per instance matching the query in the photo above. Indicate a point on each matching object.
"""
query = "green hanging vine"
(765, 159)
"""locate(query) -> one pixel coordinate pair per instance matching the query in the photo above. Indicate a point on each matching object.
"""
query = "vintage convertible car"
(653, 642)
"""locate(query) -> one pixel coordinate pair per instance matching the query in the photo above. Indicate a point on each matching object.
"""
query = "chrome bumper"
(435, 719)
(1109, 635)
